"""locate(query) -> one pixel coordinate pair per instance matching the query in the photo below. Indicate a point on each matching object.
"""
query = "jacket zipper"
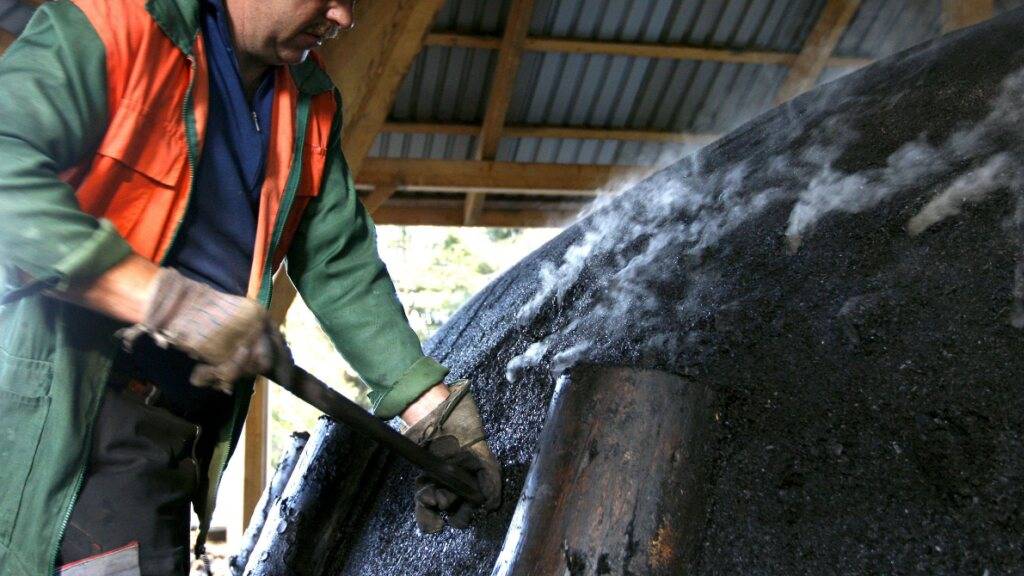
(79, 480)
(190, 145)
(302, 125)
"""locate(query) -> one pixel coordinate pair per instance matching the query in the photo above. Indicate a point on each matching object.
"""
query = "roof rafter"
(568, 132)
(835, 17)
(471, 175)
(640, 50)
(452, 216)
(510, 53)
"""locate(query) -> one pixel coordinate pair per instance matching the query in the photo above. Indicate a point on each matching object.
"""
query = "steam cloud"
(678, 214)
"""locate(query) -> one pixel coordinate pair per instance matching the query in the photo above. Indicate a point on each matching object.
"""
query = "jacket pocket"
(24, 406)
(150, 143)
(143, 157)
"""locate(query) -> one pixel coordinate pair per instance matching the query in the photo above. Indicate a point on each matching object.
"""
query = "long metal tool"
(314, 392)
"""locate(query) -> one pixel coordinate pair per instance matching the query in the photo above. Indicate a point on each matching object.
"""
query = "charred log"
(270, 497)
(313, 518)
(618, 482)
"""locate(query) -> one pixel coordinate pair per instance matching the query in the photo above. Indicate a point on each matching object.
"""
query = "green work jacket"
(55, 357)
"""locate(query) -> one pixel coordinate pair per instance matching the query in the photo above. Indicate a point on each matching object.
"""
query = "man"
(158, 161)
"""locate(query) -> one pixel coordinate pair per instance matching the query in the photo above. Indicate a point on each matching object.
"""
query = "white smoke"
(918, 162)
(971, 187)
(681, 213)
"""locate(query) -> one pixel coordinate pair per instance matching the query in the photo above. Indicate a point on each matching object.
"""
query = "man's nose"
(342, 14)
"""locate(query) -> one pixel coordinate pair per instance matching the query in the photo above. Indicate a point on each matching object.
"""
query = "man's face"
(284, 31)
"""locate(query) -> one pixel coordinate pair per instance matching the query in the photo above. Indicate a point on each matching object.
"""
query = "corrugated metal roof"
(731, 23)
(884, 27)
(446, 85)
(622, 92)
(473, 16)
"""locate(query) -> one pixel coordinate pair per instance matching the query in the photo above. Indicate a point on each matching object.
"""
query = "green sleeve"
(53, 112)
(333, 262)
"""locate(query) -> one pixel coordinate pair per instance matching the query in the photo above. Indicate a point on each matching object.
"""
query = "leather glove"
(230, 337)
(453, 431)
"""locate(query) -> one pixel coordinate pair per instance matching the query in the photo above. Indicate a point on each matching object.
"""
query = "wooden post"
(255, 465)
(257, 422)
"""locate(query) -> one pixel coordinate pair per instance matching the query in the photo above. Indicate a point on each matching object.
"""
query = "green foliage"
(500, 234)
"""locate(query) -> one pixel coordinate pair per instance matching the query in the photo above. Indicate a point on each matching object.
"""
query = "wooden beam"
(566, 132)
(369, 62)
(6, 39)
(957, 14)
(469, 175)
(636, 50)
(665, 51)
(821, 42)
(510, 54)
(579, 133)
(378, 197)
(452, 216)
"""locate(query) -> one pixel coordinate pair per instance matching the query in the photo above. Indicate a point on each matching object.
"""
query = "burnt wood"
(312, 519)
(618, 481)
(270, 497)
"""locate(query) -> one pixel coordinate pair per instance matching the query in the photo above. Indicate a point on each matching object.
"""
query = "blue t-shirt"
(216, 240)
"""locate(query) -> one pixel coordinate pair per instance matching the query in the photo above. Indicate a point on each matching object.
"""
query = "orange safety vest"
(141, 175)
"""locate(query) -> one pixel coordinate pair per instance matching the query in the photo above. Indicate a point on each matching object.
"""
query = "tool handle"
(311, 390)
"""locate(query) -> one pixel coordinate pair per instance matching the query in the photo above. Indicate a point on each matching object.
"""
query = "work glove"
(230, 337)
(454, 432)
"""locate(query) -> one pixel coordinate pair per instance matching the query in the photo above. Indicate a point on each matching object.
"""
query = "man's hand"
(230, 336)
(454, 432)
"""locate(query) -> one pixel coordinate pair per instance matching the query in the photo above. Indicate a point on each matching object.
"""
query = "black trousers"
(140, 481)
